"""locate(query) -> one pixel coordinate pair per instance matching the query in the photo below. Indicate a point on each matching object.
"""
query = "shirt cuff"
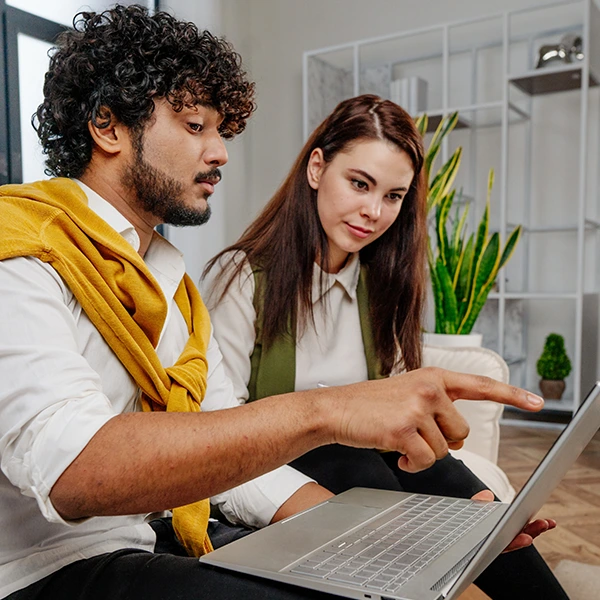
(58, 444)
(255, 503)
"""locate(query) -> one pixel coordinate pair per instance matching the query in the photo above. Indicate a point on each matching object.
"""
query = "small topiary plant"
(554, 363)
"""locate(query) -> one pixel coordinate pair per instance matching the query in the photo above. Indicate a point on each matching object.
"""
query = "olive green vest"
(273, 368)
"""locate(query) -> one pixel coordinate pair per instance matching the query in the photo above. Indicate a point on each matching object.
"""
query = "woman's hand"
(530, 531)
(307, 496)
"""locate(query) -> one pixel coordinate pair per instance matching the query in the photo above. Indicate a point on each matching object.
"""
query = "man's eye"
(197, 127)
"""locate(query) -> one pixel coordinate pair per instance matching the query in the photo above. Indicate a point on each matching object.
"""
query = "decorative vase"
(452, 339)
(552, 389)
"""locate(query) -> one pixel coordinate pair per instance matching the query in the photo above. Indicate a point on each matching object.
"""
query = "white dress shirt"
(60, 384)
(331, 352)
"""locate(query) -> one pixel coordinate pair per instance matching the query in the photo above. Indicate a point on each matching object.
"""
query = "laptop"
(384, 545)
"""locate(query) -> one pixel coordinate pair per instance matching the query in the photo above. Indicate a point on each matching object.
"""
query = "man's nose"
(216, 153)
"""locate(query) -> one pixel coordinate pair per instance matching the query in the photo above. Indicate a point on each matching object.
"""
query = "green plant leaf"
(443, 181)
(463, 286)
(467, 325)
(445, 126)
(448, 324)
(442, 212)
(463, 268)
(554, 362)
(510, 246)
(484, 274)
(421, 124)
(489, 263)
(482, 231)
(456, 241)
(438, 298)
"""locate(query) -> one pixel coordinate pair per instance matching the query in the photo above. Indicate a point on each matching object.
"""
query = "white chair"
(480, 452)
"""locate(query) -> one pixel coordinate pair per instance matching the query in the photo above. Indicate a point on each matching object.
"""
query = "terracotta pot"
(552, 389)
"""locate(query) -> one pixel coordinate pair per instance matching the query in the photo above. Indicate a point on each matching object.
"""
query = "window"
(31, 28)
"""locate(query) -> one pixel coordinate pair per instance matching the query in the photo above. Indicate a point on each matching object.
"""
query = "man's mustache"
(213, 176)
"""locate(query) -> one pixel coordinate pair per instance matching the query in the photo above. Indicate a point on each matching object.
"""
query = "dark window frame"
(13, 22)
(4, 157)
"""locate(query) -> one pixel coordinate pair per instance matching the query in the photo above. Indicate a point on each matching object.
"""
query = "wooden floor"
(575, 504)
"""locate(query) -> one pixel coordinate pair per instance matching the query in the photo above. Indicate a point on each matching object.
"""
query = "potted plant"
(553, 366)
(463, 269)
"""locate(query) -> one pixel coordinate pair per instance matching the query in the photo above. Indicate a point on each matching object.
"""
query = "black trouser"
(166, 574)
(522, 574)
(169, 575)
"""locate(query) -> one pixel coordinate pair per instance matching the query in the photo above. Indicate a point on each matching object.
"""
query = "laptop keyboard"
(387, 552)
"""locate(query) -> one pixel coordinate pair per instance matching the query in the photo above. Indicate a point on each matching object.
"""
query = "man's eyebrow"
(199, 104)
(374, 181)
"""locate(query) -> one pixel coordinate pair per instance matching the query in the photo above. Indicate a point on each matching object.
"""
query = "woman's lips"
(359, 232)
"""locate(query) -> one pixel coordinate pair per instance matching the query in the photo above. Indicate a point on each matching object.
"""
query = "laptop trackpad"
(298, 535)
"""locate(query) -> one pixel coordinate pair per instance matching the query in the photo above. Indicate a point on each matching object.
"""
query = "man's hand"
(530, 531)
(120, 471)
(413, 413)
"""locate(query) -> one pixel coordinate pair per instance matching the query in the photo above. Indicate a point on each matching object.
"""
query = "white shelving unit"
(539, 128)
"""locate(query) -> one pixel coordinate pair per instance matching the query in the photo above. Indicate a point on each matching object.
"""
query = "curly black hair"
(116, 62)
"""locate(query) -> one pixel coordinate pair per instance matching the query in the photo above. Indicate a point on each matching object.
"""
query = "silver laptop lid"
(564, 452)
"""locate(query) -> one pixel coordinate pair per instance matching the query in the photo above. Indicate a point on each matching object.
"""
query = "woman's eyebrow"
(374, 181)
(365, 175)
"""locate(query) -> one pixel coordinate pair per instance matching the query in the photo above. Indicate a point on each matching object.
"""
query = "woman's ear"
(110, 136)
(315, 168)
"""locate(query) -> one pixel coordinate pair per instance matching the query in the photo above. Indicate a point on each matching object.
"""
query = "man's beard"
(161, 195)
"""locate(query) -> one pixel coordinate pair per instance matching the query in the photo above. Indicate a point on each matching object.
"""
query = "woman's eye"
(197, 127)
(395, 197)
(359, 184)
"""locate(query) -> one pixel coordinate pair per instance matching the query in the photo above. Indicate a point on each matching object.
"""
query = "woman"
(327, 286)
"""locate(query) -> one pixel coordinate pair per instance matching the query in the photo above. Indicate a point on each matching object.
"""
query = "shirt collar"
(347, 277)
(106, 211)
(162, 258)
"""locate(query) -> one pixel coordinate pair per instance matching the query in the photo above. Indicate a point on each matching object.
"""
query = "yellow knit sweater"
(51, 221)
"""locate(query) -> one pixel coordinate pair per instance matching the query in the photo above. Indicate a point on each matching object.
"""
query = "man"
(105, 345)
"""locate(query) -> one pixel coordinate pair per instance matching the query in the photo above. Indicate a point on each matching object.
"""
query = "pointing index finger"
(478, 387)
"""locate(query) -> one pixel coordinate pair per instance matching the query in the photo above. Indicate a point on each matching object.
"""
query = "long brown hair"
(287, 237)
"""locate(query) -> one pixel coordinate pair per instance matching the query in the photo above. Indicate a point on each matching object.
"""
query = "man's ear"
(315, 168)
(111, 136)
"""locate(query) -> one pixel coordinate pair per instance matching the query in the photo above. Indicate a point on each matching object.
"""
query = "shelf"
(531, 424)
(590, 225)
(535, 295)
(476, 120)
(513, 118)
(549, 81)
(434, 120)
(565, 405)
(514, 360)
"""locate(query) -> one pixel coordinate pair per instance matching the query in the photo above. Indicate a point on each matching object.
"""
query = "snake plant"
(462, 269)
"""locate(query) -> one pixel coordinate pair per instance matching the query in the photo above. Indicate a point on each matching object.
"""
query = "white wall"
(273, 34)
(199, 244)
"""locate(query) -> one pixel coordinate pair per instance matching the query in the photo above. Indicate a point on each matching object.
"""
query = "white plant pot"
(452, 340)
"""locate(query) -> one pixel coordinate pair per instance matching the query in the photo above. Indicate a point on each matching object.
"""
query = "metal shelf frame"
(513, 79)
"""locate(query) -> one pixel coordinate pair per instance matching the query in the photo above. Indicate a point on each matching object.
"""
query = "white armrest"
(480, 452)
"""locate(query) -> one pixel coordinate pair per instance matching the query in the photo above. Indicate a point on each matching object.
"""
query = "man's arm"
(149, 462)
